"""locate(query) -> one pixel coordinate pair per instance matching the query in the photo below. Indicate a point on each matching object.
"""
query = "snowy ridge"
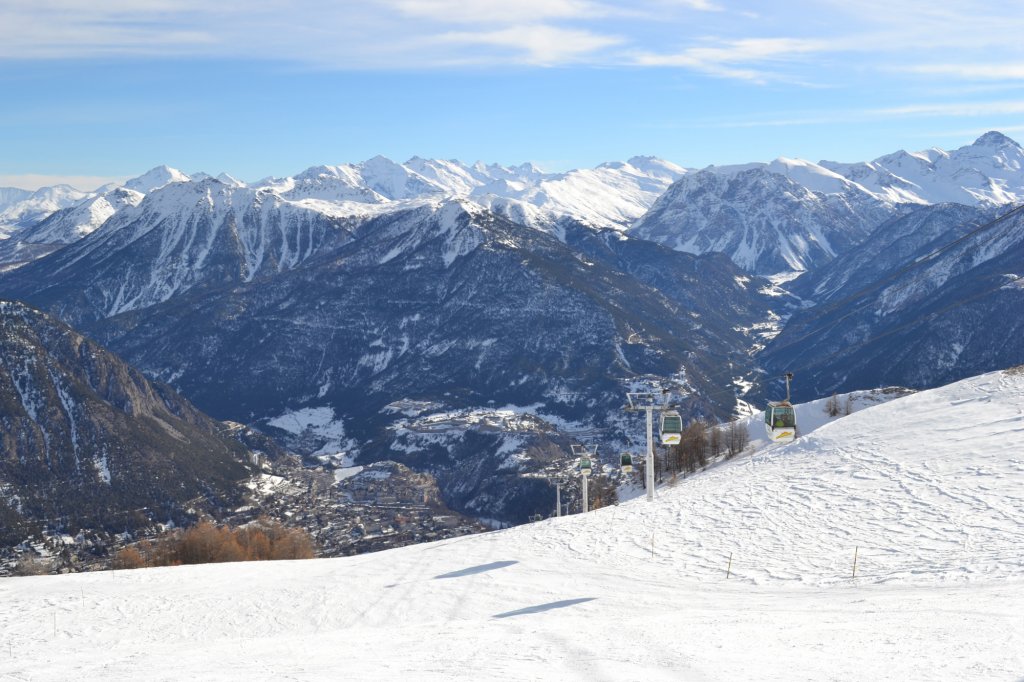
(756, 556)
(988, 171)
(611, 195)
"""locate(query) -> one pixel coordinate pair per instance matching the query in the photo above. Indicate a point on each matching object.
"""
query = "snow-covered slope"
(744, 572)
(65, 226)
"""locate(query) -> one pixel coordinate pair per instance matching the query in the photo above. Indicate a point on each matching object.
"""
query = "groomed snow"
(929, 490)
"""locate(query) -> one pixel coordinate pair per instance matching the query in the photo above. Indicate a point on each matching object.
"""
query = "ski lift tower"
(586, 457)
(647, 402)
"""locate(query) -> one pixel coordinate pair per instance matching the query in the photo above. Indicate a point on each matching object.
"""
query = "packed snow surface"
(928, 490)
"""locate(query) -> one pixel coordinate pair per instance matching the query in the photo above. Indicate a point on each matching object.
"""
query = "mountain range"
(470, 320)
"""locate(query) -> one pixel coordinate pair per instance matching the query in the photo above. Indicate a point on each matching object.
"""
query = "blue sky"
(269, 87)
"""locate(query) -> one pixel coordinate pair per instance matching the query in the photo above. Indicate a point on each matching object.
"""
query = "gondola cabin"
(627, 463)
(780, 421)
(585, 467)
(671, 428)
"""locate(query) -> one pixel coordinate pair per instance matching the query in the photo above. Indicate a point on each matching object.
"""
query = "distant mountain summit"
(158, 177)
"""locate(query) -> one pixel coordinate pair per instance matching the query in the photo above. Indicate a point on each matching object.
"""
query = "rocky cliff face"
(762, 219)
(87, 441)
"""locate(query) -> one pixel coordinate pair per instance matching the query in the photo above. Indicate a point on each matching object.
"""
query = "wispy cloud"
(735, 59)
(536, 44)
(916, 110)
(737, 40)
(990, 71)
(959, 109)
(489, 12)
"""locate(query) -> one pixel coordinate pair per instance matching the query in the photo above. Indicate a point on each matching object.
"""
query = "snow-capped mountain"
(19, 210)
(86, 438)
(611, 195)
(928, 298)
(792, 214)
(766, 217)
(12, 195)
(44, 221)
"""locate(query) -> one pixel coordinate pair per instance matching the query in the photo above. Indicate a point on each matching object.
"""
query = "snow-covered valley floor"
(928, 490)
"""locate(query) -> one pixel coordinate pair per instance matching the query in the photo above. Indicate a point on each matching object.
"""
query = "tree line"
(207, 543)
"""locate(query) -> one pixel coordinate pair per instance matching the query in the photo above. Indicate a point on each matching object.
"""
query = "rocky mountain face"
(87, 441)
(929, 298)
(444, 304)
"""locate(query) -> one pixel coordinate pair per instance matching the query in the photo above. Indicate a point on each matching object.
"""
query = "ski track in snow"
(928, 489)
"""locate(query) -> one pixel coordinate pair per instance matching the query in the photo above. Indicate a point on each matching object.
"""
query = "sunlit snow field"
(928, 490)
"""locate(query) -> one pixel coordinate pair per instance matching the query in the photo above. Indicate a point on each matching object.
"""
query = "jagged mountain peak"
(657, 166)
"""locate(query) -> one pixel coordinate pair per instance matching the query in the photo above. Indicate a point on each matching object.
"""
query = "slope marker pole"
(855, 550)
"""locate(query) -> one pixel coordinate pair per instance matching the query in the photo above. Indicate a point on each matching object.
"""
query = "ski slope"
(927, 489)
